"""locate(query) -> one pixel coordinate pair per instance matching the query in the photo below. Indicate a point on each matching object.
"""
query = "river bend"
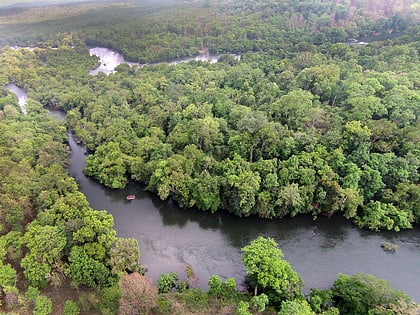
(171, 238)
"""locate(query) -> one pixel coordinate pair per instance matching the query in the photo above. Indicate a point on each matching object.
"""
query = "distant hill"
(32, 3)
(381, 8)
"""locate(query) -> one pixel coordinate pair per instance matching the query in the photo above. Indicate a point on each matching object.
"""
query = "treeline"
(150, 31)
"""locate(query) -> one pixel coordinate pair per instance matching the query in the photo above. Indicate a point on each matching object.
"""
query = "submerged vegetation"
(303, 123)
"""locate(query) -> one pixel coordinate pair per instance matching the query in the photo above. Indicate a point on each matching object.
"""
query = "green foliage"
(194, 299)
(84, 270)
(377, 215)
(163, 305)
(108, 165)
(259, 302)
(71, 308)
(243, 308)
(7, 275)
(295, 307)
(109, 300)
(206, 191)
(268, 271)
(240, 186)
(215, 285)
(302, 123)
(11, 246)
(36, 272)
(361, 294)
(167, 282)
(32, 293)
(319, 127)
(96, 233)
(224, 291)
(293, 108)
(43, 305)
(182, 286)
(125, 256)
(45, 242)
(320, 300)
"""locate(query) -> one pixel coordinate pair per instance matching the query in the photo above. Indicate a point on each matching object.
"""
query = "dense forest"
(305, 122)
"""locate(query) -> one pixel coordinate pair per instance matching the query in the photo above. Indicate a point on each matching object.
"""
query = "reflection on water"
(171, 237)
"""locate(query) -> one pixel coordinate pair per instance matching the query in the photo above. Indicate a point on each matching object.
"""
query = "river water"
(110, 59)
(171, 238)
(21, 95)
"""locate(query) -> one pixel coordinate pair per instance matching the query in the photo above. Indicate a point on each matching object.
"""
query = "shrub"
(320, 300)
(296, 307)
(193, 299)
(32, 293)
(167, 282)
(362, 293)
(109, 300)
(164, 305)
(243, 308)
(259, 302)
(224, 291)
(43, 305)
(71, 308)
(215, 284)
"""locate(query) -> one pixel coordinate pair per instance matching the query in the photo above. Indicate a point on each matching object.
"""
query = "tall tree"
(268, 272)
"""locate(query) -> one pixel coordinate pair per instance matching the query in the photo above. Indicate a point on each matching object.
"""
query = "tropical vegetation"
(305, 122)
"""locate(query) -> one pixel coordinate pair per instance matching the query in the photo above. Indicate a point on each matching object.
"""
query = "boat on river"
(131, 197)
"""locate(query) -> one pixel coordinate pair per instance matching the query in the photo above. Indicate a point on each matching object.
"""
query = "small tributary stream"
(171, 238)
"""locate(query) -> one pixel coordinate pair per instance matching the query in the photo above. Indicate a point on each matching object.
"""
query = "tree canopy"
(301, 120)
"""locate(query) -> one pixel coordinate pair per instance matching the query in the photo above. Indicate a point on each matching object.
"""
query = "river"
(21, 95)
(170, 238)
(110, 59)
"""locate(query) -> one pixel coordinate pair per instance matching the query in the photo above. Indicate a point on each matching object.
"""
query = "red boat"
(131, 197)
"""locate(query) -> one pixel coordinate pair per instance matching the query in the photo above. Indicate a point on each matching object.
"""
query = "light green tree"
(268, 272)
(296, 307)
(43, 305)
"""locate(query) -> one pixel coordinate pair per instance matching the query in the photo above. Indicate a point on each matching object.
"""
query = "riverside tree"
(268, 272)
